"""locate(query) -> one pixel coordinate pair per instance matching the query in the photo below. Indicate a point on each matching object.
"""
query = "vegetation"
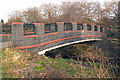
(2, 21)
(85, 12)
(82, 61)
(86, 60)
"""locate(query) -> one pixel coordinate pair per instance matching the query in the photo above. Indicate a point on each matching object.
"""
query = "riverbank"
(84, 60)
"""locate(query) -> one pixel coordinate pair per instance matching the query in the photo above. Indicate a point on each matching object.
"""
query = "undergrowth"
(22, 64)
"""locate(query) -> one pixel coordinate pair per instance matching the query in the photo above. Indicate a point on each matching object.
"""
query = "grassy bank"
(21, 64)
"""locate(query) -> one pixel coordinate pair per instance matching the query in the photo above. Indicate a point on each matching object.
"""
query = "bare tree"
(32, 15)
(118, 13)
(15, 16)
(50, 12)
(77, 11)
(109, 14)
(88, 12)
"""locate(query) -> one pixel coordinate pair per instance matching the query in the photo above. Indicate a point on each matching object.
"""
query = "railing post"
(74, 28)
(52, 28)
(93, 28)
(85, 27)
(98, 28)
(39, 29)
(60, 27)
(103, 30)
(17, 33)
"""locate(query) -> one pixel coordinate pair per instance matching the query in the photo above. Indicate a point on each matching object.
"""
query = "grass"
(4, 72)
(57, 64)
(71, 71)
(42, 65)
(24, 63)
(39, 67)
(11, 60)
(69, 65)
(60, 63)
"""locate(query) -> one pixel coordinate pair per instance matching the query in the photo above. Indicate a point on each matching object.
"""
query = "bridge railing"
(30, 29)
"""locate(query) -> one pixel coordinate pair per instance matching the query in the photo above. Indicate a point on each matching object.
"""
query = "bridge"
(42, 37)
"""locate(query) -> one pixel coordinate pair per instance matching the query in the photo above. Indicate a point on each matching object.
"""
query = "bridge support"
(60, 27)
(39, 29)
(103, 30)
(17, 33)
(74, 26)
(98, 28)
(92, 28)
(85, 28)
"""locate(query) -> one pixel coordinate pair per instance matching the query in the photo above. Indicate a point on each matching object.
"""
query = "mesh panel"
(95, 28)
(6, 29)
(79, 26)
(101, 29)
(29, 29)
(89, 27)
(49, 28)
(67, 26)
